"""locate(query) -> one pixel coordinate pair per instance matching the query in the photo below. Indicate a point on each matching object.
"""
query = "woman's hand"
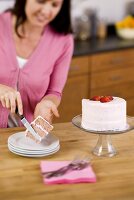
(46, 109)
(10, 98)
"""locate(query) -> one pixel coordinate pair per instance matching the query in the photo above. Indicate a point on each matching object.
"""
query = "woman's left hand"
(46, 109)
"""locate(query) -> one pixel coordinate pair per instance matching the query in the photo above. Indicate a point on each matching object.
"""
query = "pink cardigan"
(45, 72)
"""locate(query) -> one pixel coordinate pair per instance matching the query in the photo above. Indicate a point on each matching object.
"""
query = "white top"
(21, 61)
(12, 119)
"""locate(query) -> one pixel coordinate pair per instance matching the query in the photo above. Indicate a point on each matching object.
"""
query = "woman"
(36, 47)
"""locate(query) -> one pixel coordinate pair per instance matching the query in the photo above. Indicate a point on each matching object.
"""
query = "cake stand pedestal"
(104, 146)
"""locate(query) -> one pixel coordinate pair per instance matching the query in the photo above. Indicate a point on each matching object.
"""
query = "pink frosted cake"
(103, 113)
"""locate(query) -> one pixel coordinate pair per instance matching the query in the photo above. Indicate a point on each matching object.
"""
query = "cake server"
(28, 125)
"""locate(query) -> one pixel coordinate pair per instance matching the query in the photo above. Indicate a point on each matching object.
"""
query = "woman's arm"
(61, 68)
(47, 107)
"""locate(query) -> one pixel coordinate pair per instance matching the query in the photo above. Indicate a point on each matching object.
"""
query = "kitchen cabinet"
(112, 60)
(107, 73)
(112, 73)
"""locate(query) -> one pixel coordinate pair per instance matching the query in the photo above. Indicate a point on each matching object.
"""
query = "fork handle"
(58, 172)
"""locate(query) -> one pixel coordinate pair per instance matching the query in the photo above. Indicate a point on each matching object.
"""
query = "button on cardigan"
(44, 73)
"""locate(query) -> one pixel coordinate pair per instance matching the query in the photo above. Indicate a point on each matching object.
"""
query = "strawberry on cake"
(104, 113)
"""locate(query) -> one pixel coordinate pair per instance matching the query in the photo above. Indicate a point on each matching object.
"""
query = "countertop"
(20, 177)
(92, 46)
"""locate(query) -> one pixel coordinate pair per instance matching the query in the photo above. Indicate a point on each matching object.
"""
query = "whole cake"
(104, 113)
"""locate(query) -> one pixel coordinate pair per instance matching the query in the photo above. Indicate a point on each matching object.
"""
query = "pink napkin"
(76, 176)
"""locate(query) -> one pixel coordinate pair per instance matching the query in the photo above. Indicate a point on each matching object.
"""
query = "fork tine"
(81, 158)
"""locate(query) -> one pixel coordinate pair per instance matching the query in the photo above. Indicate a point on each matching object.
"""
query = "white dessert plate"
(34, 155)
(33, 151)
(129, 126)
(30, 152)
(20, 141)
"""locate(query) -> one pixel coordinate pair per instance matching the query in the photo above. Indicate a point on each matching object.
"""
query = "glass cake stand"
(104, 146)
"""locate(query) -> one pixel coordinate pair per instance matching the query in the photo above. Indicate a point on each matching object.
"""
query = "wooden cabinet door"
(112, 77)
(112, 60)
(75, 90)
(79, 66)
(124, 90)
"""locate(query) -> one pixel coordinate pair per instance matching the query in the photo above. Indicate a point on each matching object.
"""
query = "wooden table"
(20, 177)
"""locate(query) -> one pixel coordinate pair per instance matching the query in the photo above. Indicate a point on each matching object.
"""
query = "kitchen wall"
(111, 10)
(4, 4)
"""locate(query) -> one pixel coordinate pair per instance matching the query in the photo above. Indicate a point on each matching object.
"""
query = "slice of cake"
(41, 127)
(104, 113)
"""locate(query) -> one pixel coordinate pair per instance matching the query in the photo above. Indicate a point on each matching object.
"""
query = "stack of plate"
(21, 145)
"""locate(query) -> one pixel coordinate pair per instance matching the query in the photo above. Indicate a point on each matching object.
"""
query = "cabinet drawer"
(116, 59)
(113, 77)
(121, 90)
(79, 65)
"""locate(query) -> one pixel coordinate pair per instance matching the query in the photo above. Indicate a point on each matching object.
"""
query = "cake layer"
(41, 127)
(104, 116)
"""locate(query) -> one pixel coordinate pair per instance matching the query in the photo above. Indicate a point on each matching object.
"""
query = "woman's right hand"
(10, 98)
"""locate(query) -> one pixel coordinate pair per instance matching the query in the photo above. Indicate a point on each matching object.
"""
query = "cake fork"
(76, 164)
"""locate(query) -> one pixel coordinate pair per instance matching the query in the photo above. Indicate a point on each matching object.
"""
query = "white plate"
(34, 155)
(30, 152)
(20, 141)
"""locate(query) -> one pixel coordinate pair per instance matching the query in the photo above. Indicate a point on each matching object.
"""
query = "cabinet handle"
(115, 78)
(117, 60)
(74, 68)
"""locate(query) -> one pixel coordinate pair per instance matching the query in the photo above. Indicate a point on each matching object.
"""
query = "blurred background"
(110, 10)
(102, 62)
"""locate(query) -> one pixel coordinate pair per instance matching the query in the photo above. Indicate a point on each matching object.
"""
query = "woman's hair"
(61, 23)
